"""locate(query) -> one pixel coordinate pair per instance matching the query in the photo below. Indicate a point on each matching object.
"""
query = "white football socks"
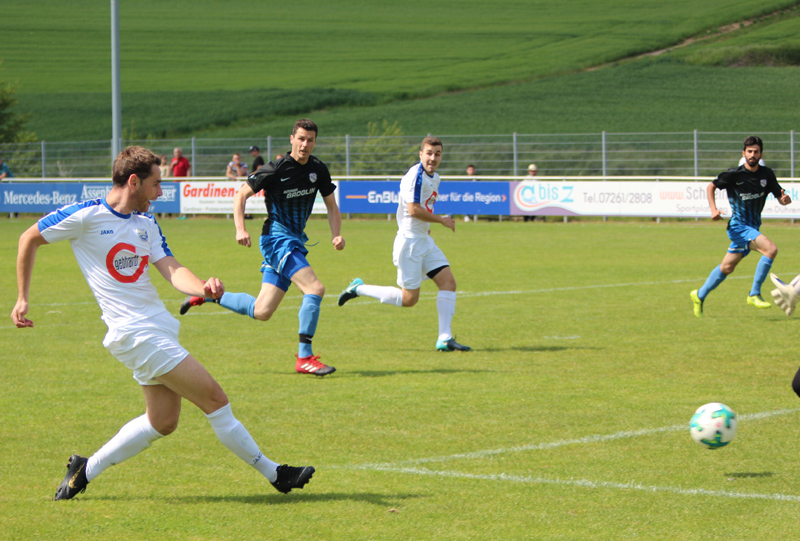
(235, 437)
(446, 307)
(132, 439)
(385, 294)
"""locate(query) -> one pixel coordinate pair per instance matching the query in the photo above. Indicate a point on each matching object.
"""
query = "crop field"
(204, 68)
(568, 420)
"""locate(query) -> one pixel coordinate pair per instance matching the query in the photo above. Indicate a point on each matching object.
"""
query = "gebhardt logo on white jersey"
(121, 259)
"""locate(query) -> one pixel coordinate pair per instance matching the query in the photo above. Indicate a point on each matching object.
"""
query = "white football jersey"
(114, 252)
(416, 187)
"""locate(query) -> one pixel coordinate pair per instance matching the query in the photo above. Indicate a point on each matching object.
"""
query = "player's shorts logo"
(122, 259)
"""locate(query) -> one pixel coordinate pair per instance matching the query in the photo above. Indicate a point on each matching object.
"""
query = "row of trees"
(12, 130)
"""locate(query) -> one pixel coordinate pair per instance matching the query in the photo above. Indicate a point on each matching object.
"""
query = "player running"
(290, 187)
(415, 254)
(115, 243)
(748, 186)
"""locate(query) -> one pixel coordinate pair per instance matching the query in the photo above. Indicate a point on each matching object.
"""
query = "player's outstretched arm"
(29, 243)
(334, 221)
(185, 280)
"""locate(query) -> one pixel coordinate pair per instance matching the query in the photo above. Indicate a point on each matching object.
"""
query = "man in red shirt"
(180, 165)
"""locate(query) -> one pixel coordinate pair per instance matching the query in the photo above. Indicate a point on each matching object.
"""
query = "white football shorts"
(149, 348)
(415, 258)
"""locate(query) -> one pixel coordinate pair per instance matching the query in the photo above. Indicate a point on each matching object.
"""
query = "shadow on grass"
(539, 348)
(382, 500)
(746, 474)
(384, 373)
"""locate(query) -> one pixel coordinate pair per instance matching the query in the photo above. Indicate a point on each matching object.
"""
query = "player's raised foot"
(697, 304)
(75, 480)
(758, 302)
(350, 291)
(451, 345)
(311, 365)
(290, 477)
(785, 295)
(190, 301)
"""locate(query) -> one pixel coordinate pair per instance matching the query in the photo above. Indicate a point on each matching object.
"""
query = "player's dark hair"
(432, 141)
(753, 140)
(133, 161)
(306, 124)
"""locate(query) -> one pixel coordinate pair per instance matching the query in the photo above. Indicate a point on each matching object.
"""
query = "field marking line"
(596, 438)
(585, 483)
(461, 294)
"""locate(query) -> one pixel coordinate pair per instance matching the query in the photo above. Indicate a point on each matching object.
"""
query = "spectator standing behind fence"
(258, 159)
(164, 166)
(236, 168)
(180, 165)
(5, 172)
(532, 172)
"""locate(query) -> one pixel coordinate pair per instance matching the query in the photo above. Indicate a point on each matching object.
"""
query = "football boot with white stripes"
(311, 365)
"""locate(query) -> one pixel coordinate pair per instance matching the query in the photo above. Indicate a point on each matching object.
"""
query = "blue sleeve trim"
(59, 215)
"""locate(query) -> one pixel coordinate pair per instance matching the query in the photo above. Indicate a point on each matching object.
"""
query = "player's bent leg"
(268, 300)
(785, 295)
(193, 382)
(410, 297)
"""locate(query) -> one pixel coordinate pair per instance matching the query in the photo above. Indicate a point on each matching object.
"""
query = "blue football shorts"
(741, 236)
(283, 257)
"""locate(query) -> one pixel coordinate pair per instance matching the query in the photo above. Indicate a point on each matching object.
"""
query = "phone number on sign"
(616, 197)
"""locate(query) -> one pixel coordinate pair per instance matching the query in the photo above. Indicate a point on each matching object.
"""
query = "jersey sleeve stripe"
(59, 215)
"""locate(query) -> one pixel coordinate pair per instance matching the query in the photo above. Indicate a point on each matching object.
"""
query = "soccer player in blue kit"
(747, 186)
(290, 186)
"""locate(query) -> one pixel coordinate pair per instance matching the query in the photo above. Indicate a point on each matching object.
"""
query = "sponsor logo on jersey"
(121, 259)
(431, 201)
(107, 232)
(295, 192)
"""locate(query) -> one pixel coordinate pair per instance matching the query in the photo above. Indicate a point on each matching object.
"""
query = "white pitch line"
(596, 438)
(584, 483)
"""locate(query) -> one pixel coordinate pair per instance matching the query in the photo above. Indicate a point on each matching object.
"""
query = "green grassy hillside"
(236, 68)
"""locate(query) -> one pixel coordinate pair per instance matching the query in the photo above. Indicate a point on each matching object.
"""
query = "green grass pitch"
(569, 420)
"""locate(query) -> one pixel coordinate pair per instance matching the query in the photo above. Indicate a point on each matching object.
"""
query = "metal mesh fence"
(595, 154)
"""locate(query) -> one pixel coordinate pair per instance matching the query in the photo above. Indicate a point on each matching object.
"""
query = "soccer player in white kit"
(415, 254)
(115, 241)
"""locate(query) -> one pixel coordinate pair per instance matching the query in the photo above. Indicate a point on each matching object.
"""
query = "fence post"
(605, 157)
(193, 167)
(696, 156)
(347, 154)
(44, 161)
(515, 154)
(791, 153)
(269, 148)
